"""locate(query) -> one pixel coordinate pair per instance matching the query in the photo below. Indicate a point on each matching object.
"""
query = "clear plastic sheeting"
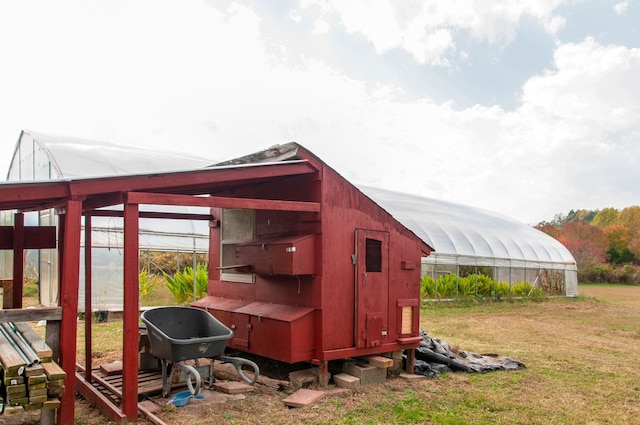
(467, 236)
(45, 157)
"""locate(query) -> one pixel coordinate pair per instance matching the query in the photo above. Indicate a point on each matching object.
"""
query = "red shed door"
(372, 287)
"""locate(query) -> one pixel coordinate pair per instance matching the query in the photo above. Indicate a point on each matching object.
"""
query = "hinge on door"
(354, 259)
(249, 327)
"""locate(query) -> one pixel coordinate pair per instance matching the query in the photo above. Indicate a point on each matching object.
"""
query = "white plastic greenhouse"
(463, 237)
(469, 237)
(45, 157)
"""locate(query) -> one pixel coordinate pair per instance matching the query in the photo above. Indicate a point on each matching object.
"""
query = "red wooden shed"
(303, 266)
(301, 285)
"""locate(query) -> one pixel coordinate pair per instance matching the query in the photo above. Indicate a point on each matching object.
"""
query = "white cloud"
(425, 28)
(621, 6)
(206, 80)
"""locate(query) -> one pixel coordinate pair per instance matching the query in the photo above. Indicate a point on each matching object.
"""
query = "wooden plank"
(16, 391)
(41, 348)
(58, 383)
(7, 288)
(39, 399)
(51, 403)
(13, 380)
(33, 370)
(12, 362)
(13, 410)
(52, 338)
(222, 202)
(20, 401)
(53, 371)
(98, 399)
(111, 368)
(37, 379)
(378, 361)
(30, 314)
(37, 392)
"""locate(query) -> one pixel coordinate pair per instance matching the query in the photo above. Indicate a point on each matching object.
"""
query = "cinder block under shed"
(367, 374)
(301, 377)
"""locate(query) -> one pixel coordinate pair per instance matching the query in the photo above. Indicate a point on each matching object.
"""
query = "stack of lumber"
(30, 378)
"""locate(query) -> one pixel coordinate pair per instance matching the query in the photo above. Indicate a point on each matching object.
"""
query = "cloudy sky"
(527, 108)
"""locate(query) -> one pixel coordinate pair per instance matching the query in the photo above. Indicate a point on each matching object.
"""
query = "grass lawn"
(581, 356)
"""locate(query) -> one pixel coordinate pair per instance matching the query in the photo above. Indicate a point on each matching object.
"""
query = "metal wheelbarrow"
(177, 334)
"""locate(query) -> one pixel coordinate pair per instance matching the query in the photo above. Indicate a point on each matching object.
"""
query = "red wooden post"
(69, 282)
(88, 308)
(131, 311)
(18, 259)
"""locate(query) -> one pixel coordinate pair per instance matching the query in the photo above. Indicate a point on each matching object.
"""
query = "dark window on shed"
(374, 255)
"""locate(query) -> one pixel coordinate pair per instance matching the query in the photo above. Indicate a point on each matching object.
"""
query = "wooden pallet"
(149, 383)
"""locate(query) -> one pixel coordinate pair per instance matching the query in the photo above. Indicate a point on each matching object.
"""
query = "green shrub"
(473, 285)
(181, 284)
(147, 283)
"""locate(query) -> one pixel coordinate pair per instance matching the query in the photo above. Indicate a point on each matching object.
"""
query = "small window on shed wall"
(373, 255)
(237, 226)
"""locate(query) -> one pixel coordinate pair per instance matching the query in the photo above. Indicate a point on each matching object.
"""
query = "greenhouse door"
(372, 288)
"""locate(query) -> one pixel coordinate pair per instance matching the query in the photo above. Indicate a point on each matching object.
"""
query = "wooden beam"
(34, 237)
(222, 202)
(103, 200)
(99, 400)
(18, 259)
(153, 214)
(32, 194)
(69, 282)
(7, 288)
(193, 181)
(88, 291)
(131, 311)
(31, 314)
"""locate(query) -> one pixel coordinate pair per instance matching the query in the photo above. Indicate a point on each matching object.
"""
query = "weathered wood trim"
(31, 314)
(222, 202)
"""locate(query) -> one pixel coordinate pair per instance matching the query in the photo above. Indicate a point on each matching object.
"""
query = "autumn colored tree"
(630, 218)
(634, 247)
(586, 253)
(618, 236)
(583, 231)
(553, 231)
(602, 236)
(588, 244)
(605, 217)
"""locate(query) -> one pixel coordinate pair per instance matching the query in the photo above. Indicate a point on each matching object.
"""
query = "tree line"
(605, 243)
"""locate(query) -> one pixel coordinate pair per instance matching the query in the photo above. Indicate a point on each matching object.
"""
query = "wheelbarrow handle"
(237, 363)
